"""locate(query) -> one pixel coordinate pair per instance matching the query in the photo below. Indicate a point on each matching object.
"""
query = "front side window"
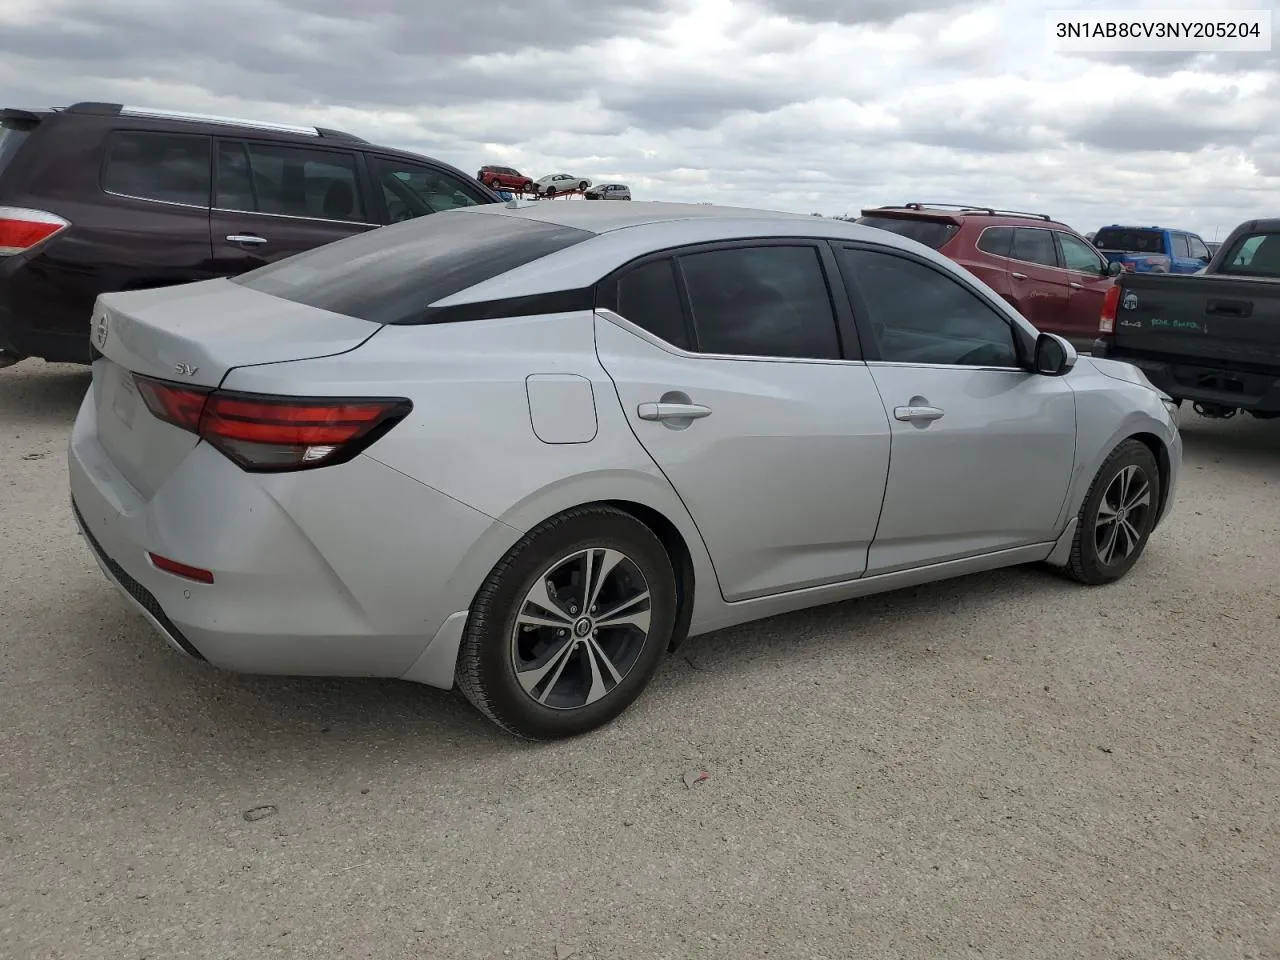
(920, 315)
(1032, 245)
(1257, 255)
(414, 190)
(173, 168)
(1198, 249)
(289, 181)
(1079, 256)
(1181, 245)
(761, 301)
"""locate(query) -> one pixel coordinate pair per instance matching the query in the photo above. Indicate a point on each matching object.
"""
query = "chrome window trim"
(294, 216)
(945, 366)
(619, 320)
(1030, 263)
(203, 207)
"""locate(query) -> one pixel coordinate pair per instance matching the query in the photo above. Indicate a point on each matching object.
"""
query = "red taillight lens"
(1110, 306)
(263, 433)
(185, 570)
(22, 229)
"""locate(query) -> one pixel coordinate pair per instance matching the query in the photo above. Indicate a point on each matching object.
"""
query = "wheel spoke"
(623, 615)
(1139, 496)
(1131, 534)
(594, 658)
(539, 597)
(555, 664)
(1108, 548)
(1106, 512)
(1125, 478)
(602, 657)
(608, 564)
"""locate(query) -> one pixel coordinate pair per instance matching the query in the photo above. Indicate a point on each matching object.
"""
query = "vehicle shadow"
(42, 394)
(1242, 440)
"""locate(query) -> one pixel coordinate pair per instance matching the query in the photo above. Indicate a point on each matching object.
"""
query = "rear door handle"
(672, 411)
(1077, 286)
(245, 238)
(917, 414)
(1018, 276)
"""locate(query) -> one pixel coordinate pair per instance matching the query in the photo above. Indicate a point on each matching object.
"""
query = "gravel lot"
(1002, 766)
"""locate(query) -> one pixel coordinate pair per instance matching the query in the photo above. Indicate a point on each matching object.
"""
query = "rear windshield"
(1130, 241)
(1256, 255)
(12, 133)
(929, 232)
(392, 274)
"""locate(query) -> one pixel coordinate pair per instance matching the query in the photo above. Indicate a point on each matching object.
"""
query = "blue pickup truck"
(1152, 249)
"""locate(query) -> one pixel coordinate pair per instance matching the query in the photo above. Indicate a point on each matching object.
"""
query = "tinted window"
(1198, 249)
(1181, 248)
(391, 275)
(290, 181)
(1034, 246)
(159, 166)
(413, 190)
(1129, 241)
(932, 233)
(761, 302)
(1079, 256)
(920, 315)
(1257, 255)
(996, 240)
(649, 298)
(12, 133)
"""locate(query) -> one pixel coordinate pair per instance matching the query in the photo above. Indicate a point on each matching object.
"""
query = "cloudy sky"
(804, 105)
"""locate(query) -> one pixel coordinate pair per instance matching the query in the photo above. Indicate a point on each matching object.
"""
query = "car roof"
(957, 213)
(596, 218)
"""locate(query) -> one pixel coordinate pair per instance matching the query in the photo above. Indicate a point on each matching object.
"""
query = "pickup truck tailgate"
(1200, 317)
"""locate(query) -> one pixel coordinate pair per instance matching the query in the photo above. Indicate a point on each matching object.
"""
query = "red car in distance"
(1048, 272)
(504, 178)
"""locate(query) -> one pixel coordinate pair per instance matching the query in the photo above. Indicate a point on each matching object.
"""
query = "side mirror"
(1115, 268)
(1205, 259)
(1055, 356)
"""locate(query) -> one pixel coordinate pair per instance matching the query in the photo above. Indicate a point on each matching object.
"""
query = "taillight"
(262, 433)
(1110, 306)
(22, 229)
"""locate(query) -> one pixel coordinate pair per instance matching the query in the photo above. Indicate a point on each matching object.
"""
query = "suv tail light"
(22, 229)
(1110, 306)
(264, 434)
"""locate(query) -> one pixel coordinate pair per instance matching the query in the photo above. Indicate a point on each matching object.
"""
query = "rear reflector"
(183, 570)
(1110, 305)
(22, 229)
(263, 433)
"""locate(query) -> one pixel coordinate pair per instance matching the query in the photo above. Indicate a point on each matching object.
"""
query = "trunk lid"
(192, 335)
(1203, 317)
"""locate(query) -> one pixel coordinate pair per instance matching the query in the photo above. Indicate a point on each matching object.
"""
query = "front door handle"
(917, 414)
(1018, 276)
(245, 238)
(672, 411)
(1077, 286)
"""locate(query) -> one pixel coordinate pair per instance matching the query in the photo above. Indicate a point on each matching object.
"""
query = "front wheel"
(583, 185)
(1118, 515)
(570, 626)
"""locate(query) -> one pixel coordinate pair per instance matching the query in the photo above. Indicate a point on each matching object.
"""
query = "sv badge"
(185, 370)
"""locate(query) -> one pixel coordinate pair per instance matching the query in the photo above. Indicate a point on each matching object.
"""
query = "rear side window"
(391, 275)
(289, 181)
(1129, 241)
(1257, 255)
(649, 298)
(1034, 246)
(996, 240)
(761, 302)
(414, 190)
(172, 168)
(932, 233)
(12, 135)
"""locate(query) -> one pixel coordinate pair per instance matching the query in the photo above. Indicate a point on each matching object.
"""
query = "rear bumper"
(37, 322)
(314, 574)
(1199, 381)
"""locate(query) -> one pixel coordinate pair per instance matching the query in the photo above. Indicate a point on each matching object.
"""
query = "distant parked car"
(98, 197)
(1214, 246)
(504, 178)
(554, 183)
(1050, 273)
(609, 191)
(1152, 249)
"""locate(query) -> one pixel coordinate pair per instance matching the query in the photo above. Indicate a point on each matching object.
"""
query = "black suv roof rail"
(118, 109)
(974, 208)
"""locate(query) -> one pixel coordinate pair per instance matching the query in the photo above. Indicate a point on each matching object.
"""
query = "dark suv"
(98, 197)
(1048, 272)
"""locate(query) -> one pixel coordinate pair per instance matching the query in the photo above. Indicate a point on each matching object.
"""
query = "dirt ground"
(1007, 765)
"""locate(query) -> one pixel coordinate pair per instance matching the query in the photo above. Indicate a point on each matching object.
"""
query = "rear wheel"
(551, 191)
(1117, 516)
(570, 626)
(583, 185)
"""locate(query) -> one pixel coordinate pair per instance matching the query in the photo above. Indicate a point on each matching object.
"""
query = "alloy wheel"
(1122, 515)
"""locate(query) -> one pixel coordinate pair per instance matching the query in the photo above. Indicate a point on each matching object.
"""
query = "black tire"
(1089, 563)
(583, 185)
(486, 670)
(551, 191)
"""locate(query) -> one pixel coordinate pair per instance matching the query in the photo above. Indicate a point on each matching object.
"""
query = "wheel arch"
(1164, 464)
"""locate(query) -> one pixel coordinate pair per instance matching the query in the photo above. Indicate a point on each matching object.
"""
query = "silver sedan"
(555, 183)
(530, 448)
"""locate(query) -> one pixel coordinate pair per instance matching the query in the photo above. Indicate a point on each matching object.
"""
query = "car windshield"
(1256, 255)
(932, 233)
(391, 275)
(12, 134)
(1130, 241)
